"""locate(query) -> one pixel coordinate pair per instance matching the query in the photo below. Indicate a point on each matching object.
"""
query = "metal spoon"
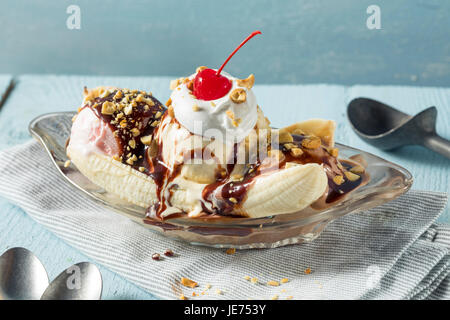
(82, 281)
(22, 275)
(387, 128)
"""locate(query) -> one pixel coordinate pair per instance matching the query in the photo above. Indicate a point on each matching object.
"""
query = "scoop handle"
(438, 144)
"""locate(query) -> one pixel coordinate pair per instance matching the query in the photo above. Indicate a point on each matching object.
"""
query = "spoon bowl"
(387, 128)
(22, 275)
(82, 281)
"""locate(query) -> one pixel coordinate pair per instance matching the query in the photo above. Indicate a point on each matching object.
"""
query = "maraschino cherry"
(210, 84)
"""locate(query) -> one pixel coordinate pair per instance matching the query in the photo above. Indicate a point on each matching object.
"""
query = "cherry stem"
(254, 33)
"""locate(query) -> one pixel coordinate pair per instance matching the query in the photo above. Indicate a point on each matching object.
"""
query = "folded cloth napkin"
(393, 251)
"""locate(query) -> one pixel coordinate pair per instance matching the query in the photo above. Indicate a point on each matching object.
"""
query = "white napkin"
(390, 252)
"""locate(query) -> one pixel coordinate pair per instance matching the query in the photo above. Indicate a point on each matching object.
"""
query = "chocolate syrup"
(337, 192)
(226, 196)
(141, 118)
(162, 175)
(333, 167)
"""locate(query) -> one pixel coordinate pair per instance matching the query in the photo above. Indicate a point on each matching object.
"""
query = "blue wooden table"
(33, 95)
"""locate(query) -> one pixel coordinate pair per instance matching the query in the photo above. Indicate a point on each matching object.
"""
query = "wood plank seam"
(7, 92)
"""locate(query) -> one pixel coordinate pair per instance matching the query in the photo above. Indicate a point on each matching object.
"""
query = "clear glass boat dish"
(387, 181)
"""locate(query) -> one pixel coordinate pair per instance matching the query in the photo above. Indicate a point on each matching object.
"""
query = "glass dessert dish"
(385, 181)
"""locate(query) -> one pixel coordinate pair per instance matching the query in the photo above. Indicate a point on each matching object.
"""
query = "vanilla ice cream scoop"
(229, 118)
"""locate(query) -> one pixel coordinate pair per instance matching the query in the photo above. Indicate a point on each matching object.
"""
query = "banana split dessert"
(209, 152)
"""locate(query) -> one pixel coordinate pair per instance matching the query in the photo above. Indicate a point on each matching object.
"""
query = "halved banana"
(115, 177)
(285, 191)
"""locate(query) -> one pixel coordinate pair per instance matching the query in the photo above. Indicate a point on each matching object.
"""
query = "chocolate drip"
(162, 175)
(337, 192)
(333, 167)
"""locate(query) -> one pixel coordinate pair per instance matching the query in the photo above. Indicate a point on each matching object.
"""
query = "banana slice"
(285, 191)
(115, 177)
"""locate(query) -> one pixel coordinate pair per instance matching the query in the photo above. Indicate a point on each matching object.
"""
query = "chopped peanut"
(311, 142)
(135, 132)
(351, 176)
(338, 179)
(247, 83)
(231, 251)
(238, 95)
(146, 140)
(334, 152)
(188, 283)
(357, 169)
(296, 152)
(273, 283)
(201, 68)
(285, 137)
(108, 108)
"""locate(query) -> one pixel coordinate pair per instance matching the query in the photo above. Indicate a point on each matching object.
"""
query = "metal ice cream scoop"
(387, 128)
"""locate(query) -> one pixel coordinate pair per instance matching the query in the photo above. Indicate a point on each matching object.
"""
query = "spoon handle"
(438, 144)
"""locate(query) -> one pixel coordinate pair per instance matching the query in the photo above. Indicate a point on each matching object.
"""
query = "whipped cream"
(214, 118)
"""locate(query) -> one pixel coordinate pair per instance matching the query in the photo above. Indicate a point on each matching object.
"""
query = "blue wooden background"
(315, 41)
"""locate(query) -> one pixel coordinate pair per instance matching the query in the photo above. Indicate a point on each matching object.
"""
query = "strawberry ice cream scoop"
(92, 134)
(116, 122)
